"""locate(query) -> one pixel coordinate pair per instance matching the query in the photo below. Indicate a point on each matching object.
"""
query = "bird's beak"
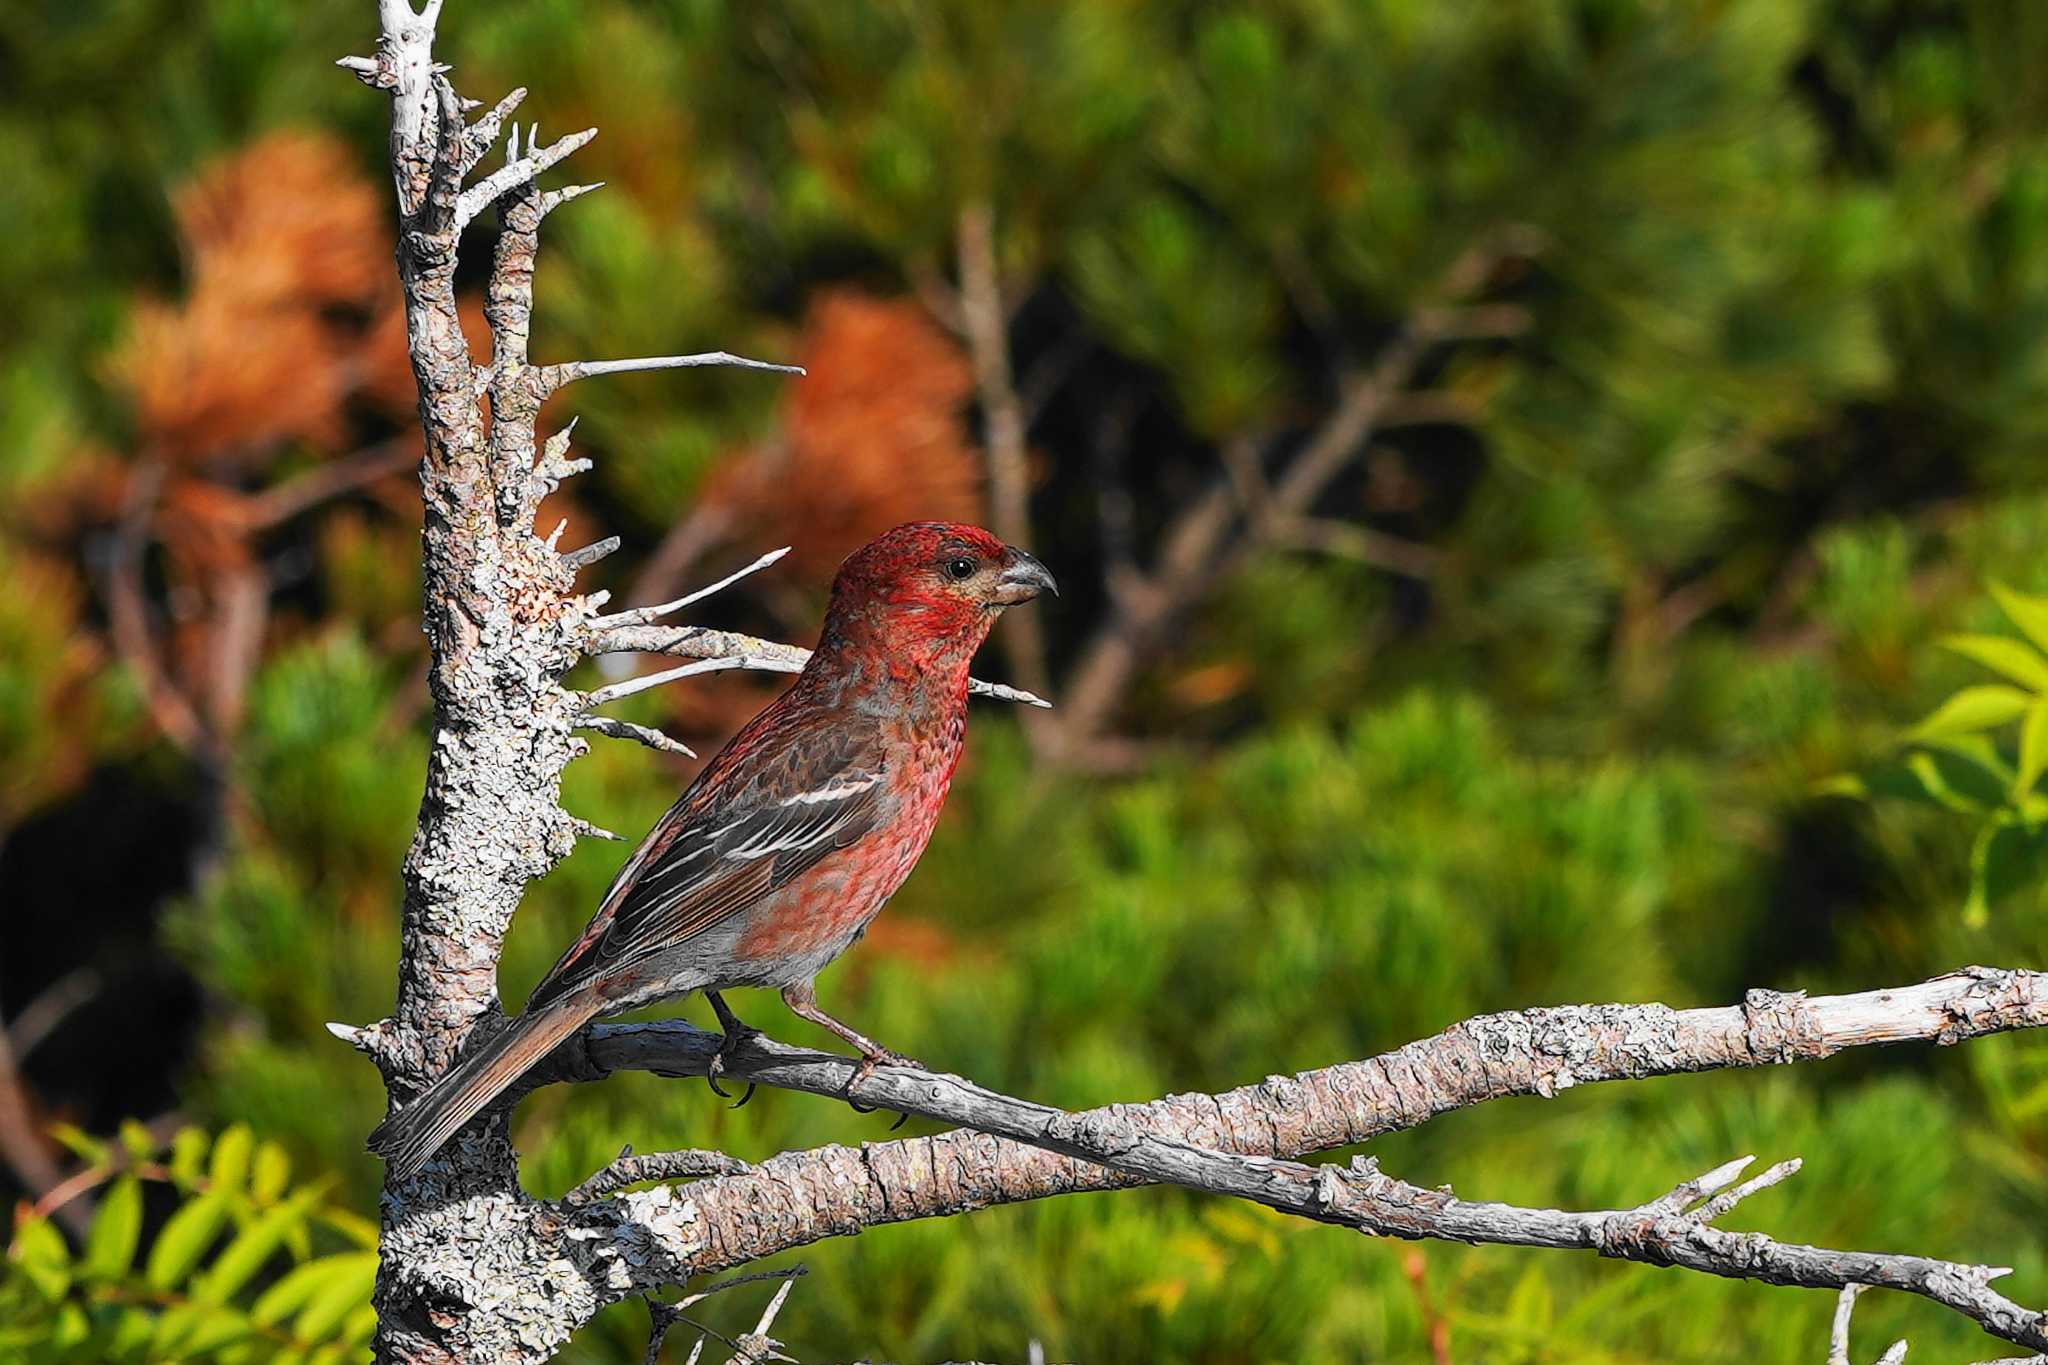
(1023, 579)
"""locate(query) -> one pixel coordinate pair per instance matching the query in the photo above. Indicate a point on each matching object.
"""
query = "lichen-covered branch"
(467, 1271)
(1237, 1143)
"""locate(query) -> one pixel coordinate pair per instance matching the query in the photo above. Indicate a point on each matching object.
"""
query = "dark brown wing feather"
(782, 795)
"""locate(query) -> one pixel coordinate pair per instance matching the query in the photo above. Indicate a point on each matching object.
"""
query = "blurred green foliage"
(246, 1266)
(1775, 420)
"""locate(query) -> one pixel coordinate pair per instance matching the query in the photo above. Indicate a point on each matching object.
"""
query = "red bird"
(791, 839)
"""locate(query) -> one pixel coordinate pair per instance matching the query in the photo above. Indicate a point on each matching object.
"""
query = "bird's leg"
(737, 1035)
(803, 1003)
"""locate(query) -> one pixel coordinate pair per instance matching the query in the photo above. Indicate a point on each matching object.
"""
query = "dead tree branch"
(1240, 1143)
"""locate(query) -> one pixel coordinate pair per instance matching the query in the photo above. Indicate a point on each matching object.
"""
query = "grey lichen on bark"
(469, 1270)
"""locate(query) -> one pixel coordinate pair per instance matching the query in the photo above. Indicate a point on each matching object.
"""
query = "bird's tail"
(407, 1138)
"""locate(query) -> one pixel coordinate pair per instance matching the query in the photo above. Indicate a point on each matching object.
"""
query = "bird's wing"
(745, 829)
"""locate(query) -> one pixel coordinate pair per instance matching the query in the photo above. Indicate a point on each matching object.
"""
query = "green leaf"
(185, 1238)
(2030, 614)
(82, 1144)
(1851, 785)
(137, 1140)
(2005, 856)
(216, 1327)
(271, 1174)
(290, 1292)
(351, 1225)
(116, 1229)
(188, 1155)
(1976, 909)
(176, 1323)
(2002, 654)
(1973, 709)
(252, 1247)
(360, 1324)
(1972, 767)
(40, 1251)
(1932, 785)
(130, 1334)
(2033, 750)
(346, 1285)
(231, 1150)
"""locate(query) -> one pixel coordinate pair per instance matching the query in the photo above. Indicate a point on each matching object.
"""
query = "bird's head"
(932, 582)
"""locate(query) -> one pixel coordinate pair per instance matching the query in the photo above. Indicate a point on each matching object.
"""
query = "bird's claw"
(737, 1036)
(711, 1075)
(869, 1061)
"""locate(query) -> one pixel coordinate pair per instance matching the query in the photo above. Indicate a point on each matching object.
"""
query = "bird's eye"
(960, 568)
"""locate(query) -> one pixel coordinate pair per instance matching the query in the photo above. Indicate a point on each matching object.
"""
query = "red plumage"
(792, 838)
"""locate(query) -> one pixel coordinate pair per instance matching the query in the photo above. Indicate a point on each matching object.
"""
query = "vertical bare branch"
(986, 325)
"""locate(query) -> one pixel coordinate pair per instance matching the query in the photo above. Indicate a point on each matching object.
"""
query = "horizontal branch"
(612, 692)
(1037, 1151)
(654, 739)
(629, 1169)
(729, 648)
(554, 377)
(590, 554)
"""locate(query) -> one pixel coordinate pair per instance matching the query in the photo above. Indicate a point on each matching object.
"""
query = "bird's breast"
(818, 916)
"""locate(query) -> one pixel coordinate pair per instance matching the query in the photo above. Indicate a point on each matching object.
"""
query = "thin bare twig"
(517, 172)
(729, 649)
(590, 554)
(128, 615)
(1435, 1326)
(640, 734)
(757, 1346)
(23, 1147)
(42, 1015)
(611, 692)
(640, 616)
(332, 478)
(1838, 1333)
(554, 377)
(628, 1169)
(985, 325)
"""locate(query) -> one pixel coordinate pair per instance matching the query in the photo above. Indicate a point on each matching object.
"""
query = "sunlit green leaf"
(291, 1291)
(231, 1152)
(1972, 710)
(252, 1247)
(188, 1155)
(2033, 750)
(116, 1230)
(82, 1144)
(137, 1141)
(2027, 612)
(40, 1251)
(186, 1237)
(2004, 655)
(344, 1287)
(270, 1174)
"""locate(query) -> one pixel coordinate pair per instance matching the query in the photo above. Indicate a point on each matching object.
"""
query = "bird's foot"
(737, 1036)
(879, 1057)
